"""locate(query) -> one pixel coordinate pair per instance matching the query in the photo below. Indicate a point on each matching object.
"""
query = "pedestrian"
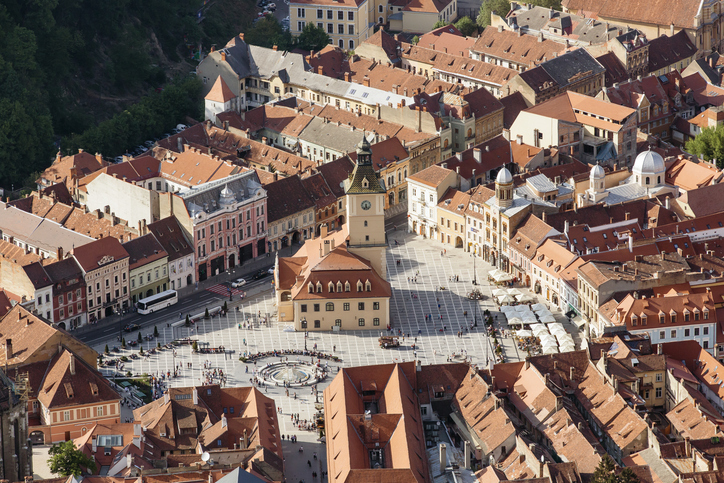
(309, 463)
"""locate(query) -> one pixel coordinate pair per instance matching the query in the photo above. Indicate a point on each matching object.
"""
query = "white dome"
(649, 162)
(504, 176)
(597, 172)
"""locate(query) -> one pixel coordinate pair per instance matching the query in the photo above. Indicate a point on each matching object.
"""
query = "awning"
(578, 321)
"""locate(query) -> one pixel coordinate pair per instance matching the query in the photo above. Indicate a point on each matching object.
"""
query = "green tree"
(415, 40)
(554, 4)
(140, 350)
(155, 331)
(268, 32)
(195, 346)
(106, 349)
(65, 460)
(188, 319)
(499, 7)
(206, 313)
(709, 145)
(440, 23)
(466, 26)
(312, 38)
(140, 337)
(123, 342)
(606, 473)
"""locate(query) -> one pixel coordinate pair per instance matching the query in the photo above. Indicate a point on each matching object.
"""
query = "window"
(659, 377)
(706, 330)
(340, 29)
(351, 29)
(317, 324)
(696, 331)
(673, 317)
(361, 322)
(687, 332)
(338, 322)
(346, 306)
(375, 306)
(316, 307)
(673, 333)
(351, 44)
(329, 15)
(662, 334)
(304, 307)
(376, 321)
(101, 410)
(658, 393)
(662, 319)
(300, 25)
(350, 16)
(330, 28)
(329, 307)
(320, 13)
(361, 306)
(300, 12)
(340, 15)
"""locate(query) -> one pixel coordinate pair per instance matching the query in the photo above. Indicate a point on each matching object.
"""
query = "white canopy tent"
(525, 298)
(546, 319)
(523, 333)
(514, 292)
(539, 306)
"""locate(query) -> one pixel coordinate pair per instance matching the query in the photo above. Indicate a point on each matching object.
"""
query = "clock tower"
(366, 211)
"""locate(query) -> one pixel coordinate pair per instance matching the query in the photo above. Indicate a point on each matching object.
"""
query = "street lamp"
(475, 276)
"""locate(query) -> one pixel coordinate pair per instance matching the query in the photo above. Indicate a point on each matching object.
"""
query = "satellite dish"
(205, 456)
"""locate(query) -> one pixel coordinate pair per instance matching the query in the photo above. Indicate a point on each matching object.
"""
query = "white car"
(271, 271)
(240, 282)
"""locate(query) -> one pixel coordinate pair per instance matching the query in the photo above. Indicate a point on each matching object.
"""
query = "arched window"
(319, 287)
(368, 286)
(365, 223)
(329, 307)
(470, 132)
(347, 287)
(339, 286)
(445, 144)
(647, 180)
(330, 287)
(658, 180)
(359, 286)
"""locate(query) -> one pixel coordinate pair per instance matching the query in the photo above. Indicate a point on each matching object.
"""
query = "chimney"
(99, 158)
(659, 349)
(241, 36)
(366, 81)
(566, 227)
(195, 396)
(687, 443)
(628, 216)
(346, 76)
(478, 155)
(323, 230)
(519, 139)
(275, 48)
(72, 365)
(246, 439)
(571, 373)
(8, 349)
(166, 398)
(94, 442)
(223, 56)
(59, 253)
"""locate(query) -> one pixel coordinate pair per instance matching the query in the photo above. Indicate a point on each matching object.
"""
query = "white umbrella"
(523, 333)
(529, 319)
(515, 321)
(546, 338)
(514, 292)
(535, 327)
(521, 308)
(506, 299)
(557, 332)
(508, 309)
(541, 313)
(494, 272)
(547, 318)
(503, 277)
(525, 298)
(541, 333)
(539, 306)
(550, 350)
(499, 292)
(568, 347)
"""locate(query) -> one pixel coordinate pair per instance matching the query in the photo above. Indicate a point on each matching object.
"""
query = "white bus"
(157, 302)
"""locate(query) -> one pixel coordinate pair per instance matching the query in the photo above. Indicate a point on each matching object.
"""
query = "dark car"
(132, 343)
(132, 327)
(261, 274)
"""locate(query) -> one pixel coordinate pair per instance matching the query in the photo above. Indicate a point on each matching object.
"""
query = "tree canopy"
(499, 7)
(440, 23)
(606, 473)
(268, 32)
(467, 27)
(65, 460)
(709, 145)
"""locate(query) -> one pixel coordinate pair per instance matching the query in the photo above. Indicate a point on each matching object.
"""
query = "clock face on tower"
(366, 205)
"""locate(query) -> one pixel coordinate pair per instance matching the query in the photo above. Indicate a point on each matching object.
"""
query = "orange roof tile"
(220, 92)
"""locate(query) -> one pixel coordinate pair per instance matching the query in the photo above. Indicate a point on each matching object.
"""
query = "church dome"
(597, 172)
(504, 176)
(649, 162)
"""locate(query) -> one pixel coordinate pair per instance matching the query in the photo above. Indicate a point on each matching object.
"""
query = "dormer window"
(696, 314)
(672, 314)
(310, 287)
(359, 286)
(687, 315)
(706, 313)
(319, 287)
(330, 287)
(365, 183)
(347, 286)
(368, 286)
(644, 319)
(662, 318)
(634, 320)
(339, 286)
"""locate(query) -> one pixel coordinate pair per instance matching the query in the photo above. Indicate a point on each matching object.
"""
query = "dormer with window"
(662, 318)
(644, 319)
(687, 315)
(706, 313)
(368, 286)
(360, 287)
(310, 287)
(697, 313)
(672, 315)
(634, 320)
(330, 287)
(347, 286)
(339, 286)
(319, 287)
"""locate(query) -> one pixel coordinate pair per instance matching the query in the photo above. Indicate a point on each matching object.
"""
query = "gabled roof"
(655, 12)
(69, 381)
(143, 250)
(220, 92)
(519, 48)
(100, 253)
(169, 234)
(431, 176)
(285, 197)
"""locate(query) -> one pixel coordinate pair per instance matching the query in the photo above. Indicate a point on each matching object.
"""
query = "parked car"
(131, 327)
(261, 274)
(239, 282)
(271, 271)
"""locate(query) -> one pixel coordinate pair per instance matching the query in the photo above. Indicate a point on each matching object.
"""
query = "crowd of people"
(253, 357)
